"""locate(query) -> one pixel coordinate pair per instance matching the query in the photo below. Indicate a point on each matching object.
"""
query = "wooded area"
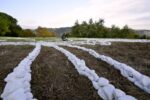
(9, 27)
(90, 29)
(98, 30)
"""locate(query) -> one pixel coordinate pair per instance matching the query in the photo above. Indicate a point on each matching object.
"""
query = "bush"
(44, 32)
(27, 33)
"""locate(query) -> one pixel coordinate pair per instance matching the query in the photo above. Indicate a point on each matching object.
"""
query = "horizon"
(55, 14)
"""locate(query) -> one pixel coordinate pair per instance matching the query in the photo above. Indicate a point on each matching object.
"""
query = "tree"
(101, 22)
(128, 32)
(27, 33)
(115, 31)
(98, 30)
(4, 28)
(91, 21)
(8, 25)
(43, 32)
(76, 23)
(75, 30)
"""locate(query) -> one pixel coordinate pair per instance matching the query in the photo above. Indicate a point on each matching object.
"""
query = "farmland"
(79, 69)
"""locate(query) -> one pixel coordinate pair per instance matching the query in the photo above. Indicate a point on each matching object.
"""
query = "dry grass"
(136, 55)
(55, 78)
(10, 56)
(105, 70)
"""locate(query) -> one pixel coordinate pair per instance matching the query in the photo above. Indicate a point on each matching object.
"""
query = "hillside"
(60, 31)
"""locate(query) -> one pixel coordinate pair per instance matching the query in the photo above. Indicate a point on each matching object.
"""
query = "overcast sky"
(61, 13)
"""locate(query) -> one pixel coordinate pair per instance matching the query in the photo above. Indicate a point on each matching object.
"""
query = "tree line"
(90, 29)
(9, 27)
(97, 29)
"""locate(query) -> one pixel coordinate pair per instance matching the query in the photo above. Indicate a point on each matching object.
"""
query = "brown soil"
(55, 78)
(137, 55)
(105, 70)
(10, 56)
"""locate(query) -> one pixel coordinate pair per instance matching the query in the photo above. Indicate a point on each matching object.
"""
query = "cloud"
(118, 12)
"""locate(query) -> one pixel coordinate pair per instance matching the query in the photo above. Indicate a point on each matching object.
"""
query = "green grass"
(29, 39)
(33, 39)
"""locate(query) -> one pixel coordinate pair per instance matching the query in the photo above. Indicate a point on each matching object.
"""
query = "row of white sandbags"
(93, 41)
(113, 40)
(108, 41)
(82, 43)
(17, 43)
(89, 43)
(105, 90)
(18, 85)
(140, 80)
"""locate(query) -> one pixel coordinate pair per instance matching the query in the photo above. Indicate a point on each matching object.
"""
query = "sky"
(62, 13)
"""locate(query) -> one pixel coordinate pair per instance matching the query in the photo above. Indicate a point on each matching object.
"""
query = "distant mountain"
(143, 32)
(61, 30)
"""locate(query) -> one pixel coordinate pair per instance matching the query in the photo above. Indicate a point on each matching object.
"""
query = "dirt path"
(137, 55)
(107, 71)
(55, 78)
(10, 56)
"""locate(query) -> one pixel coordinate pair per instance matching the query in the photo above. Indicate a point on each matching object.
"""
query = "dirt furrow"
(55, 78)
(105, 70)
(10, 57)
(136, 55)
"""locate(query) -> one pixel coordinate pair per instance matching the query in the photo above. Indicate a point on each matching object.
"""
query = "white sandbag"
(95, 85)
(145, 81)
(90, 77)
(26, 84)
(94, 75)
(27, 77)
(103, 82)
(127, 97)
(20, 73)
(10, 77)
(118, 93)
(11, 87)
(29, 96)
(27, 89)
(109, 91)
(102, 94)
(17, 95)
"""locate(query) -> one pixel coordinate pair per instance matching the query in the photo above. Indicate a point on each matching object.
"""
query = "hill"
(60, 31)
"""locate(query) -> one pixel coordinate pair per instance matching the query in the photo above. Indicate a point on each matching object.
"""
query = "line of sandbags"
(105, 90)
(140, 80)
(17, 43)
(18, 85)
